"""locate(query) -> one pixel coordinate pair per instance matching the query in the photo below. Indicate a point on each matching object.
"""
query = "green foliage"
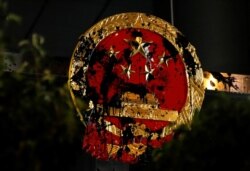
(8, 23)
(38, 128)
(8, 26)
(219, 138)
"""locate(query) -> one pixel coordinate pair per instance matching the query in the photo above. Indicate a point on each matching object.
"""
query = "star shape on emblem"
(127, 70)
(164, 59)
(138, 46)
(112, 53)
(148, 72)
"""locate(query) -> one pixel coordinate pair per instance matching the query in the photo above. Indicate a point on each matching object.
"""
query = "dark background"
(219, 29)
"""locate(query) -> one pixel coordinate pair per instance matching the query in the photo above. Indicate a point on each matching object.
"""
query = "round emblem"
(133, 78)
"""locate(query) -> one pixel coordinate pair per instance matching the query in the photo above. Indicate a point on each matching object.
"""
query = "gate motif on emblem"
(133, 78)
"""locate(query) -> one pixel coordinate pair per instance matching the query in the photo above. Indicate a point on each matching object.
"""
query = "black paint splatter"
(192, 66)
(136, 33)
(170, 47)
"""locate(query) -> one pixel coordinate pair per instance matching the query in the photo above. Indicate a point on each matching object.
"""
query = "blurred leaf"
(11, 17)
(23, 43)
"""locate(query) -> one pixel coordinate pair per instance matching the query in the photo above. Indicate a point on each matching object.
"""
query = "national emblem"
(140, 79)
